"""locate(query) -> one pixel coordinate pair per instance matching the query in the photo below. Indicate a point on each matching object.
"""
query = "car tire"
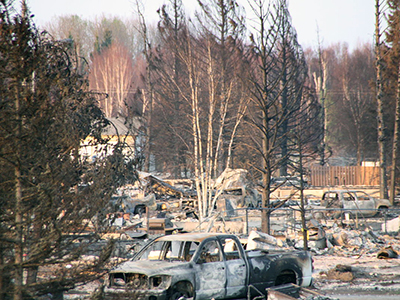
(181, 291)
(382, 211)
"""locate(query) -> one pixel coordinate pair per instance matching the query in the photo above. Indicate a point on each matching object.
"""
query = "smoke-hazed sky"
(349, 21)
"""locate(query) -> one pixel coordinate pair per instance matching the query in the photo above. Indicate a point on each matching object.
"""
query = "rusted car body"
(204, 266)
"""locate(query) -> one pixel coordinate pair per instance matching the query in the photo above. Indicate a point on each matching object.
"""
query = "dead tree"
(395, 149)
(220, 38)
(198, 65)
(393, 63)
(306, 137)
(320, 81)
(148, 93)
(172, 123)
(222, 27)
(382, 138)
(275, 87)
(187, 89)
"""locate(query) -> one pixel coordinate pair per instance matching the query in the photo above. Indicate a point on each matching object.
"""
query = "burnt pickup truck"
(204, 266)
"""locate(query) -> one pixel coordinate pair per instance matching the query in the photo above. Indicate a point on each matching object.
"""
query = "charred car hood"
(150, 267)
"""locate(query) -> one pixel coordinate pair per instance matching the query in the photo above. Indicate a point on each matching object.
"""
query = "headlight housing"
(160, 282)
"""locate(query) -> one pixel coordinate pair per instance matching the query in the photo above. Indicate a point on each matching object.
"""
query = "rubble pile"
(357, 262)
(340, 272)
(349, 257)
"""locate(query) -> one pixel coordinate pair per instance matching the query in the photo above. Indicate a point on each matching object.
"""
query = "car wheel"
(382, 211)
(181, 291)
(178, 296)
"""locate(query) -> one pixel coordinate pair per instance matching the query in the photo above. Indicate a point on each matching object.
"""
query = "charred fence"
(349, 175)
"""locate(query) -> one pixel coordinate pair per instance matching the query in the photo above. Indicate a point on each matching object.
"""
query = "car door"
(236, 268)
(210, 272)
(331, 201)
(365, 203)
(349, 202)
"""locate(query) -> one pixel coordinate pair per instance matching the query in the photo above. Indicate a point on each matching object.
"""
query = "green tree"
(48, 192)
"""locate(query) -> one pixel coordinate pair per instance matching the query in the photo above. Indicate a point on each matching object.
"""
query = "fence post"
(247, 220)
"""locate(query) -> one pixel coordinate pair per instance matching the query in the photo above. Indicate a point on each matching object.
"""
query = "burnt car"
(127, 204)
(353, 202)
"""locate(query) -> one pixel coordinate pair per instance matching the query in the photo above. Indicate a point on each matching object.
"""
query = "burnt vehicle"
(204, 266)
(353, 202)
(127, 204)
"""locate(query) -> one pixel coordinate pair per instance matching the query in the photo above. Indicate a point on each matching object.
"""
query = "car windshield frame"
(169, 251)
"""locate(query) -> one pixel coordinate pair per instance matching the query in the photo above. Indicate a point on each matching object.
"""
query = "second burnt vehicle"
(205, 266)
(354, 202)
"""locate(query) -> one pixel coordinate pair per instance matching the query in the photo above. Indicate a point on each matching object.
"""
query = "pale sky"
(350, 21)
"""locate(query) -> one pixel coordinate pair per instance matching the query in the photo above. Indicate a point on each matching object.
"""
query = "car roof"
(345, 191)
(196, 236)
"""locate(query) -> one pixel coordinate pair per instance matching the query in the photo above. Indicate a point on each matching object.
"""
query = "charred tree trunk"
(320, 83)
(303, 212)
(395, 143)
(379, 99)
(302, 198)
(147, 109)
(266, 212)
(18, 276)
(18, 247)
(285, 128)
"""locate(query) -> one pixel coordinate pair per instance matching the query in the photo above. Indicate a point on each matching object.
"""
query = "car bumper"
(121, 293)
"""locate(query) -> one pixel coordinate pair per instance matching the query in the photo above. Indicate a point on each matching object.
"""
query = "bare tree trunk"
(149, 114)
(284, 102)
(201, 188)
(18, 276)
(220, 139)
(18, 248)
(302, 199)
(178, 157)
(239, 116)
(3, 275)
(32, 272)
(379, 99)
(149, 86)
(320, 83)
(395, 143)
(266, 178)
(210, 135)
(355, 113)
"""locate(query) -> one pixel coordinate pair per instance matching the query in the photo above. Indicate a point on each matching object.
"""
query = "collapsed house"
(352, 243)
(234, 190)
(231, 191)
